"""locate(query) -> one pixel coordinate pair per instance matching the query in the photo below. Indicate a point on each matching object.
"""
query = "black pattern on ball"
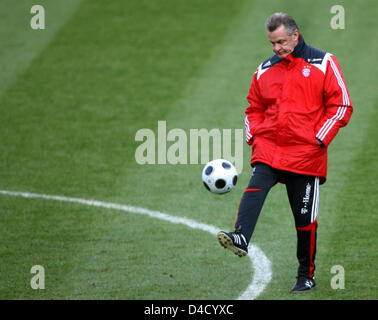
(209, 170)
(206, 186)
(220, 183)
(226, 165)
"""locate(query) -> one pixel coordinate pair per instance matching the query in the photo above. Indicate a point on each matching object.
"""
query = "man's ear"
(296, 34)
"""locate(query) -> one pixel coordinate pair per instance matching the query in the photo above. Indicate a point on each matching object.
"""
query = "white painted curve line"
(262, 274)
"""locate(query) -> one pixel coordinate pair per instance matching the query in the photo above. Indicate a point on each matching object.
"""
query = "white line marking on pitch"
(261, 264)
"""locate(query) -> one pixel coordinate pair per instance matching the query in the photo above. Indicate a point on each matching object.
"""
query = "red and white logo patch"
(306, 72)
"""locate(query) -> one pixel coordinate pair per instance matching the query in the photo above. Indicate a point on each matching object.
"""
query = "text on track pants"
(303, 194)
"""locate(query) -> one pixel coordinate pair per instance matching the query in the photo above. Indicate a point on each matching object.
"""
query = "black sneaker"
(303, 284)
(233, 241)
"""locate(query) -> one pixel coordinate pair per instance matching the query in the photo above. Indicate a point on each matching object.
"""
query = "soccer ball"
(219, 176)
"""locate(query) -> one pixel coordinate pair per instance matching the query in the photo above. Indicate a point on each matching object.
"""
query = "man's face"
(282, 43)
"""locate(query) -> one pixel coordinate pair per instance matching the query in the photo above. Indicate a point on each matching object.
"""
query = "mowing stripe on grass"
(261, 264)
(20, 44)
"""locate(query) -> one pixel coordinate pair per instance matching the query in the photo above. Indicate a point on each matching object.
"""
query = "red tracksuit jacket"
(292, 103)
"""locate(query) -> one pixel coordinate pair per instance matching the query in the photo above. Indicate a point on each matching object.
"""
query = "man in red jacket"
(298, 100)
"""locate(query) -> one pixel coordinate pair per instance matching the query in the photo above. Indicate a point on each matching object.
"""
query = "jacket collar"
(298, 50)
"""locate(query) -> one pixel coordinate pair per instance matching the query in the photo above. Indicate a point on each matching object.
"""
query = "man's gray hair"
(279, 18)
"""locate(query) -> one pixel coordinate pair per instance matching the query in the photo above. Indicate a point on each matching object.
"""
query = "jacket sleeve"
(338, 107)
(254, 114)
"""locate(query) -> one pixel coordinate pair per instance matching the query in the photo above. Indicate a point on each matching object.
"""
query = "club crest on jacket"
(306, 71)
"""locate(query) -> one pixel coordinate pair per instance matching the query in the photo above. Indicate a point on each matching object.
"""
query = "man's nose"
(276, 47)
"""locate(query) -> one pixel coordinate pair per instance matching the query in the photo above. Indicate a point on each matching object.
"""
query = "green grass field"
(73, 96)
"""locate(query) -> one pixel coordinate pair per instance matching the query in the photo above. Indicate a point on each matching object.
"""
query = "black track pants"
(303, 195)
